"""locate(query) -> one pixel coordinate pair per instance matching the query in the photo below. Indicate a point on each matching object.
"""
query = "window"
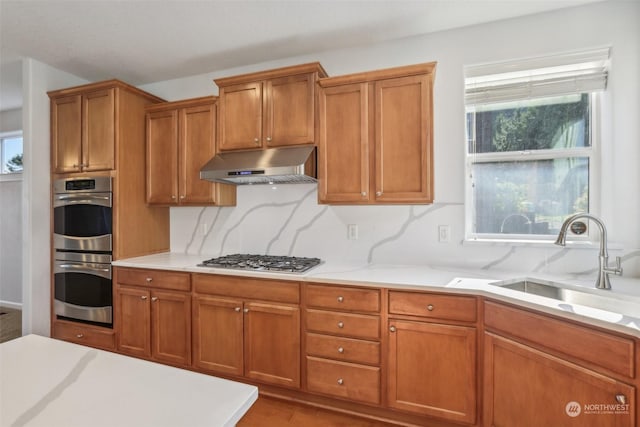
(530, 156)
(11, 152)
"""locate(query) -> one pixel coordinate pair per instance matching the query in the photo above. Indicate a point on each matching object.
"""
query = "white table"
(50, 383)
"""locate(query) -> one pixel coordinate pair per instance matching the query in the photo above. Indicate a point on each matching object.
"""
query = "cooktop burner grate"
(286, 264)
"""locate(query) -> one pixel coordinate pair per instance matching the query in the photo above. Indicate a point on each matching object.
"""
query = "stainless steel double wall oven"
(82, 241)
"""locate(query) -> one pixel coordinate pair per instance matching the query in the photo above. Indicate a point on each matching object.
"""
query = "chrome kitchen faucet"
(602, 281)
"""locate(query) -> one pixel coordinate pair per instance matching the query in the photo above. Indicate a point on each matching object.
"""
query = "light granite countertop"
(423, 277)
(51, 383)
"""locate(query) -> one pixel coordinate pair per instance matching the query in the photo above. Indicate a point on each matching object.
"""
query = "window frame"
(592, 153)
(10, 176)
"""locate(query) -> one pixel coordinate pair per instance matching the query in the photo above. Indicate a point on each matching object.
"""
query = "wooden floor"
(10, 323)
(270, 412)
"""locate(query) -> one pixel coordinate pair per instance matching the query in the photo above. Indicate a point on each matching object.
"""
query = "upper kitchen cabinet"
(180, 140)
(84, 122)
(376, 137)
(268, 109)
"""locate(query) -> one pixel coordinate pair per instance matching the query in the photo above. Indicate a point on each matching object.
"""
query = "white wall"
(289, 219)
(11, 242)
(11, 120)
(37, 79)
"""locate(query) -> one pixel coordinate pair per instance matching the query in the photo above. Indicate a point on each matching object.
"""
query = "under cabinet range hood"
(285, 165)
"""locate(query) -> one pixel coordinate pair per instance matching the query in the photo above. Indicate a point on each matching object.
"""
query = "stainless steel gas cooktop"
(285, 264)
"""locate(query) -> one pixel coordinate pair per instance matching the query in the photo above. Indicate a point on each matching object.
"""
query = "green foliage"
(15, 163)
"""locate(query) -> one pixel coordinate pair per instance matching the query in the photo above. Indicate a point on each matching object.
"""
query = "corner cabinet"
(555, 374)
(83, 131)
(376, 137)
(268, 109)
(180, 140)
(247, 327)
(153, 315)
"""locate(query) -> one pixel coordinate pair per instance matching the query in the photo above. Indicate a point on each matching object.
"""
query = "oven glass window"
(82, 220)
(83, 289)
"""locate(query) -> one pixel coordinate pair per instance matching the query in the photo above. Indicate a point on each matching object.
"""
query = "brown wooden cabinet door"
(66, 134)
(240, 117)
(526, 387)
(218, 335)
(197, 147)
(162, 157)
(133, 311)
(403, 147)
(343, 150)
(98, 130)
(289, 111)
(171, 327)
(432, 370)
(272, 343)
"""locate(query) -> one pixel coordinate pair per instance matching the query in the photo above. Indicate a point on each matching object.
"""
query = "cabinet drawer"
(343, 298)
(247, 288)
(603, 352)
(447, 307)
(160, 279)
(346, 324)
(347, 380)
(85, 335)
(346, 349)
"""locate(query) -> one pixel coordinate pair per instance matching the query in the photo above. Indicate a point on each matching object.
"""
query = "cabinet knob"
(363, 194)
(340, 350)
(378, 193)
(340, 381)
(392, 328)
(621, 399)
(430, 307)
(154, 298)
(143, 297)
(268, 139)
(340, 299)
(82, 336)
(246, 310)
(149, 279)
(256, 140)
(340, 325)
(238, 309)
(75, 165)
(181, 197)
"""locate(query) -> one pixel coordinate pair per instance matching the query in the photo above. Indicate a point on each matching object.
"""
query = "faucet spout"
(602, 282)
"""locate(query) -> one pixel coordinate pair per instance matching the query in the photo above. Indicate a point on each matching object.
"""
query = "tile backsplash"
(287, 220)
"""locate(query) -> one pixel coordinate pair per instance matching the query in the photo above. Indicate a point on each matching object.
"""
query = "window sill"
(580, 244)
(8, 177)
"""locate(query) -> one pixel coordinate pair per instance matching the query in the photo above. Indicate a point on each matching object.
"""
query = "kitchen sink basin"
(603, 300)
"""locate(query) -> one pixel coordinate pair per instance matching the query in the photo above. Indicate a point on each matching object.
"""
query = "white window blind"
(577, 72)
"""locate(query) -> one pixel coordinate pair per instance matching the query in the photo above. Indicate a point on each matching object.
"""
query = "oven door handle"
(84, 199)
(84, 268)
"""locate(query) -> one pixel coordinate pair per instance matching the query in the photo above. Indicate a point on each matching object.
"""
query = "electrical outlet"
(352, 232)
(444, 233)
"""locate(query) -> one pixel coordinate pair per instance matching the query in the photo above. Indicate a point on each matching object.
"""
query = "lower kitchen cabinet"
(153, 321)
(527, 387)
(432, 370)
(259, 340)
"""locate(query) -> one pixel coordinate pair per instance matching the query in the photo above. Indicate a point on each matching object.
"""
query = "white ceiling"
(143, 41)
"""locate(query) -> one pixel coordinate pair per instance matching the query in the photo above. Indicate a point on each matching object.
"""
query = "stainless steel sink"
(603, 300)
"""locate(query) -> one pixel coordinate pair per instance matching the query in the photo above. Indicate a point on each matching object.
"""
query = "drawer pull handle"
(340, 299)
(621, 399)
(154, 299)
(340, 325)
(392, 328)
(143, 297)
(82, 336)
(340, 381)
(237, 309)
(430, 307)
(340, 350)
(149, 279)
